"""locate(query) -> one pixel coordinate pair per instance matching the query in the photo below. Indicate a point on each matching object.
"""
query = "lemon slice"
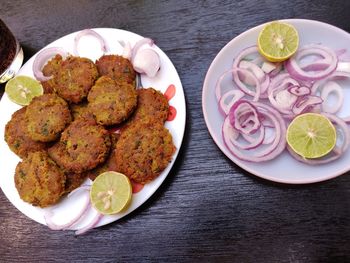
(311, 135)
(278, 41)
(22, 89)
(110, 192)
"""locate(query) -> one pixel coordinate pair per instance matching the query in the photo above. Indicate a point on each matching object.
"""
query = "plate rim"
(242, 164)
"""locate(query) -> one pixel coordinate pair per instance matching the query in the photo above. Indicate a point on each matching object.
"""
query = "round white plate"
(283, 169)
(89, 47)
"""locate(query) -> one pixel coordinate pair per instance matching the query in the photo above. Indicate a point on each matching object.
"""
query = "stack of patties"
(69, 133)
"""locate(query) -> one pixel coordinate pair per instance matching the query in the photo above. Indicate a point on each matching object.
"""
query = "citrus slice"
(311, 135)
(110, 192)
(22, 89)
(278, 41)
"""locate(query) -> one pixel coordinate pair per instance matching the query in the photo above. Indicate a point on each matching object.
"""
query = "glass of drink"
(11, 54)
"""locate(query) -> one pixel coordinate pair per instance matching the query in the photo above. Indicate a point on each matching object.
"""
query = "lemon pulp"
(22, 89)
(311, 135)
(110, 192)
(278, 41)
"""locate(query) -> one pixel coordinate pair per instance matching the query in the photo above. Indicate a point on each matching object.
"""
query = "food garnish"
(110, 192)
(278, 41)
(22, 89)
(311, 135)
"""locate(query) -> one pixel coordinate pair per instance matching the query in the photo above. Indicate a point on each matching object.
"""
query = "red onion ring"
(256, 76)
(49, 214)
(93, 33)
(299, 90)
(318, 85)
(269, 152)
(305, 103)
(244, 117)
(329, 88)
(257, 71)
(146, 61)
(228, 99)
(221, 90)
(293, 64)
(139, 44)
(281, 83)
(239, 73)
(42, 58)
(95, 220)
(254, 142)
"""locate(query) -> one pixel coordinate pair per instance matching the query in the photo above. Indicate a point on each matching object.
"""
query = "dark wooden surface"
(208, 209)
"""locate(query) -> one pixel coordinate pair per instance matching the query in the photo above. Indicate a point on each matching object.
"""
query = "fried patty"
(109, 164)
(73, 181)
(152, 106)
(74, 78)
(50, 69)
(17, 137)
(81, 110)
(111, 102)
(82, 146)
(47, 116)
(116, 67)
(39, 180)
(143, 151)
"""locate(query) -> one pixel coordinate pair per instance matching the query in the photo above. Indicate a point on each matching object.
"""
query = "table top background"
(208, 209)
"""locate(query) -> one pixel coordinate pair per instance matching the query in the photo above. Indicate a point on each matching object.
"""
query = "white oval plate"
(283, 169)
(89, 47)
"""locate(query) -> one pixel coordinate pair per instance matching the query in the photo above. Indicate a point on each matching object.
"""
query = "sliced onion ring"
(95, 220)
(329, 56)
(270, 151)
(318, 85)
(85, 207)
(139, 44)
(93, 33)
(146, 61)
(42, 58)
(244, 117)
(228, 99)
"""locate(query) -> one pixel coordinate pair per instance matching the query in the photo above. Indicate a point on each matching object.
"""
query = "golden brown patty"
(74, 78)
(73, 181)
(151, 106)
(47, 116)
(50, 69)
(111, 102)
(81, 110)
(143, 151)
(39, 180)
(82, 146)
(116, 67)
(109, 164)
(17, 137)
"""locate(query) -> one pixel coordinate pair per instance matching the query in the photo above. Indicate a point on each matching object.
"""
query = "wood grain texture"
(208, 209)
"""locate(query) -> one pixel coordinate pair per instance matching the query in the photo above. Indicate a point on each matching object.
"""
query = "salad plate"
(284, 168)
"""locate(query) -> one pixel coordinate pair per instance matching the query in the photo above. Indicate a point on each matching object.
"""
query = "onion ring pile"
(261, 98)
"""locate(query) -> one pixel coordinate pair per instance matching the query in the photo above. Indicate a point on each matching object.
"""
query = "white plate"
(283, 169)
(89, 47)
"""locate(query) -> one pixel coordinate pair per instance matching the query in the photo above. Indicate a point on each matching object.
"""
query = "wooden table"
(208, 209)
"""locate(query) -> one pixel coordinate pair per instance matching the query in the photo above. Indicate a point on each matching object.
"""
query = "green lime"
(22, 89)
(278, 41)
(111, 192)
(311, 135)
